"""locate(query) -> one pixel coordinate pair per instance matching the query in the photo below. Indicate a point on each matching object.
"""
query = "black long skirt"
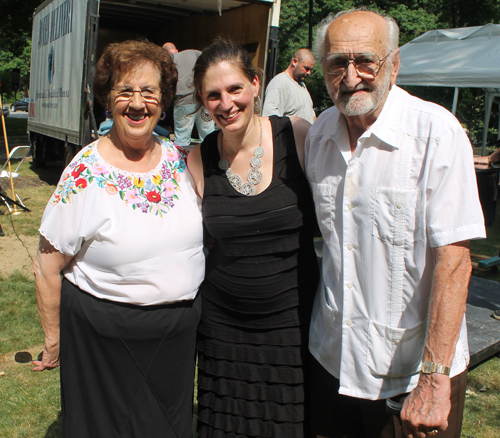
(126, 371)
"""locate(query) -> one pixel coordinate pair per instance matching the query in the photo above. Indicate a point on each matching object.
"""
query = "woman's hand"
(50, 360)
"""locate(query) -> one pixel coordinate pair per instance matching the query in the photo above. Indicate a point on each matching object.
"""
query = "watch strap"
(431, 367)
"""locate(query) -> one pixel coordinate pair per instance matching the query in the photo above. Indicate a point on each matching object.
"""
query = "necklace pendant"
(254, 175)
(255, 162)
(235, 181)
(259, 151)
(247, 189)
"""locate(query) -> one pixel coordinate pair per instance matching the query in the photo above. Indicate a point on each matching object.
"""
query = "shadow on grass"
(55, 429)
(50, 173)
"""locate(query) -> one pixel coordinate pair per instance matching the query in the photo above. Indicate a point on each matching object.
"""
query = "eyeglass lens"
(148, 94)
(365, 63)
(25, 357)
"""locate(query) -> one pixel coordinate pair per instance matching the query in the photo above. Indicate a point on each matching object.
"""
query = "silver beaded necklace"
(254, 175)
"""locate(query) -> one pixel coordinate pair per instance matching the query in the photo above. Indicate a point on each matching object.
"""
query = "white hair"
(319, 41)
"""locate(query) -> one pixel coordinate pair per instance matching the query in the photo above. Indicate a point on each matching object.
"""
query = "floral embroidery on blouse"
(155, 193)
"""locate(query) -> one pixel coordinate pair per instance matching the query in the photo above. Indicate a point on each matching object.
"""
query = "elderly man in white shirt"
(396, 198)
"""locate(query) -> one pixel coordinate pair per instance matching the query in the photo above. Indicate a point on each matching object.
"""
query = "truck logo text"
(56, 24)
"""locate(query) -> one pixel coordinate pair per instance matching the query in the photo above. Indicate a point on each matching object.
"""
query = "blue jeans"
(184, 119)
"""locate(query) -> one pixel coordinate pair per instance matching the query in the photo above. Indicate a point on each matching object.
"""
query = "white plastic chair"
(18, 153)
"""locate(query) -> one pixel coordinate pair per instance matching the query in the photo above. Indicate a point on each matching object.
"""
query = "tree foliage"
(16, 24)
(15, 42)
(414, 17)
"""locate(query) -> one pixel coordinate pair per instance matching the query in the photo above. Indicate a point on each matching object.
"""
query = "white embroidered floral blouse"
(135, 237)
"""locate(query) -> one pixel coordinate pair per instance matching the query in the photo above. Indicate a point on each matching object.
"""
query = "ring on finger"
(432, 432)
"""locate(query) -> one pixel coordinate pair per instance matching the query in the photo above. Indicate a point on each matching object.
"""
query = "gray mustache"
(360, 86)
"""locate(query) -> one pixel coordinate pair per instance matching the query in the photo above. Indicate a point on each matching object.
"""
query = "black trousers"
(340, 416)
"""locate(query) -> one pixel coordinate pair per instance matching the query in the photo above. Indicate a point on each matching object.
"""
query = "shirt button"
(350, 285)
(349, 323)
(397, 341)
(350, 246)
(399, 205)
(350, 207)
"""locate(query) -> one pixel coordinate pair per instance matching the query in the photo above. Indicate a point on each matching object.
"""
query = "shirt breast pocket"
(397, 216)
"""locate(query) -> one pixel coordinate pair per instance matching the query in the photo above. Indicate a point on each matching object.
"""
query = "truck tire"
(69, 154)
(13, 108)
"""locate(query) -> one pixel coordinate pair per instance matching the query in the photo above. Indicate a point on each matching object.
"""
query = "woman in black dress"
(262, 272)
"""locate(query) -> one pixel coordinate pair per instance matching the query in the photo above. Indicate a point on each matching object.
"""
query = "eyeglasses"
(26, 357)
(149, 95)
(366, 64)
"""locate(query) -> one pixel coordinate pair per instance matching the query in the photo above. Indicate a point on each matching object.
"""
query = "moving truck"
(70, 35)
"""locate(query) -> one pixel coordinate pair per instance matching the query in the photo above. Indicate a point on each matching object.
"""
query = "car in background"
(5, 110)
(21, 104)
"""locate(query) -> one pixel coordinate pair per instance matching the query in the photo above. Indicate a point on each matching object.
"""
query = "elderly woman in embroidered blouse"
(124, 227)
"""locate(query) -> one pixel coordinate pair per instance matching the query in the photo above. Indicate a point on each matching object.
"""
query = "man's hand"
(428, 406)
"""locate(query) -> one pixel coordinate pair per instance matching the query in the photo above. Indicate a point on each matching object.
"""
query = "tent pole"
(487, 112)
(455, 101)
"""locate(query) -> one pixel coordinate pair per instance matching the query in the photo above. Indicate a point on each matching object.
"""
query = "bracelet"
(431, 367)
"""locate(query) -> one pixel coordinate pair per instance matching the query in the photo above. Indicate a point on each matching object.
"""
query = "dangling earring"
(256, 104)
(205, 116)
(108, 116)
(163, 115)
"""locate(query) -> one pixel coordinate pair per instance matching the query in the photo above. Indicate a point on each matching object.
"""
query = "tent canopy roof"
(464, 57)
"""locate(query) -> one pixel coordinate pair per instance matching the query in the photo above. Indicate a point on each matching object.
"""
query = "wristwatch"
(431, 367)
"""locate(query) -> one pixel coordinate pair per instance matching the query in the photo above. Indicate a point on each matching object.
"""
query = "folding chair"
(18, 153)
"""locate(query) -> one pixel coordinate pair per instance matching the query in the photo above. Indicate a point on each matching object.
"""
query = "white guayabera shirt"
(135, 237)
(408, 187)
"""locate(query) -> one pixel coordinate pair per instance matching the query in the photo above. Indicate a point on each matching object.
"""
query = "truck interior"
(188, 24)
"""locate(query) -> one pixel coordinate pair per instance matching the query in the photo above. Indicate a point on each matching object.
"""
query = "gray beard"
(358, 106)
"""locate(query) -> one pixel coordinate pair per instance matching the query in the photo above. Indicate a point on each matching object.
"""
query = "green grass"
(15, 127)
(30, 401)
(18, 313)
(482, 405)
(34, 198)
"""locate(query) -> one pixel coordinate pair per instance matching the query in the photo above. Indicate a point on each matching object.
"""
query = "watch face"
(431, 367)
(427, 367)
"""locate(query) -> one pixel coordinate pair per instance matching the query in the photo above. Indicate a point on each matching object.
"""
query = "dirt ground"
(14, 256)
(15, 253)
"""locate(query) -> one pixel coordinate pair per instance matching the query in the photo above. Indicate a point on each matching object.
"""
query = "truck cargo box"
(70, 35)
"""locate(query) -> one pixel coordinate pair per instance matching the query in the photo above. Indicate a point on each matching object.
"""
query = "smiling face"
(135, 119)
(228, 96)
(360, 32)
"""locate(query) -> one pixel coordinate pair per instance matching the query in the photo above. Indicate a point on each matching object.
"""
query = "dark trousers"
(341, 416)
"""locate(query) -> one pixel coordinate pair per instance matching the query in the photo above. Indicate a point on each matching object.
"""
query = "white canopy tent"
(467, 57)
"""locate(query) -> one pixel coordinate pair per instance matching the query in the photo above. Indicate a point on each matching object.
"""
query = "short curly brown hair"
(119, 59)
